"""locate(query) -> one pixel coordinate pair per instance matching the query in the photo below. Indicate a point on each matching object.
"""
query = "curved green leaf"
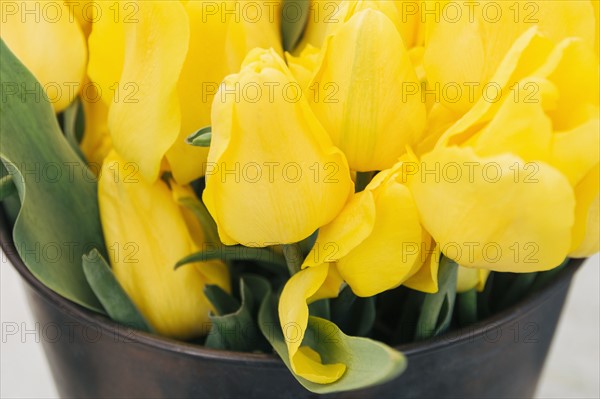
(113, 297)
(237, 252)
(209, 227)
(222, 301)
(353, 314)
(59, 221)
(368, 362)
(238, 330)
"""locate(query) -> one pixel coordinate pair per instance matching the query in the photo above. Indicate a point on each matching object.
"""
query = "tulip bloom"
(465, 54)
(159, 75)
(521, 173)
(376, 243)
(273, 179)
(53, 50)
(365, 92)
(146, 233)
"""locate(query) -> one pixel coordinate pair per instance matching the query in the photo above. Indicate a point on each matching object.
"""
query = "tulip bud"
(53, 49)
(146, 233)
(360, 92)
(275, 176)
(197, 44)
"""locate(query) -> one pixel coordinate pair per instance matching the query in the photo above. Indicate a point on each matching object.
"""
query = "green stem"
(293, 257)
(362, 180)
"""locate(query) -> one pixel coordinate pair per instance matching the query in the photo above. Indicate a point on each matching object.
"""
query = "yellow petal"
(84, 12)
(470, 48)
(426, 277)
(469, 278)
(293, 316)
(146, 124)
(217, 48)
(390, 254)
(275, 179)
(322, 16)
(360, 92)
(303, 67)
(47, 39)
(96, 142)
(596, 6)
(146, 234)
(586, 236)
(349, 228)
(107, 55)
(519, 127)
(527, 53)
(500, 213)
(575, 152)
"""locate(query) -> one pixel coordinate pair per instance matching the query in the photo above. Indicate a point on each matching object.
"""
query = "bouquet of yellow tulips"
(263, 176)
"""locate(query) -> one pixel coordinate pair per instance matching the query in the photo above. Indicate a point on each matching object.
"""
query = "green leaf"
(113, 297)
(436, 313)
(368, 362)
(354, 315)
(238, 252)
(294, 15)
(209, 227)
(200, 138)
(59, 221)
(221, 300)
(237, 330)
(466, 303)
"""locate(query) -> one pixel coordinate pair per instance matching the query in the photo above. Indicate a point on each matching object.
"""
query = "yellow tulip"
(326, 16)
(500, 212)
(467, 42)
(219, 41)
(193, 46)
(547, 126)
(365, 247)
(146, 233)
(273, 179)
(48, 40)
(377, 241)
(365, 92)
(303, 288)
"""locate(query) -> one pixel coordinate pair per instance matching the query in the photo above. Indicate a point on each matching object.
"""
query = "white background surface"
(572, 369)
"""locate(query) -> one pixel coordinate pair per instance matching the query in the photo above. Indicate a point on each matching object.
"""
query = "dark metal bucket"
(92, 356)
